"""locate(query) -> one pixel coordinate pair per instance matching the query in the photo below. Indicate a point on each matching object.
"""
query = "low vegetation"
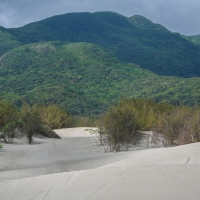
(179, 126)
(120, 127)
(171, 125)
(32, 120)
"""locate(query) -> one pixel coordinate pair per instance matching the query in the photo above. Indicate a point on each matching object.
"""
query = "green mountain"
(88, 61)
(132, 40)
(84, 78)
(79, 76)
(195, 38)
(7, 41)
(144, 23)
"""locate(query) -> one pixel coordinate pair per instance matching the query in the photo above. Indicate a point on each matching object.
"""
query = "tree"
(32, 123)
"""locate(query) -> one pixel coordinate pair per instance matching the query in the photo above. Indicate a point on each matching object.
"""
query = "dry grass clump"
(178, 127)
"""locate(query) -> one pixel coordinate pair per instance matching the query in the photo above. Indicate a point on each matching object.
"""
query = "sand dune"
(86, 172)
(77, 150)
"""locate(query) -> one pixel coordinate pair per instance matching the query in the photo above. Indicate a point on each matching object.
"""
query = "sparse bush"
(101, 133)
(171, 125)
(47, 132)
(177, 127)
(120, 126)
(9, 131)
(33, 123)
(31, 120)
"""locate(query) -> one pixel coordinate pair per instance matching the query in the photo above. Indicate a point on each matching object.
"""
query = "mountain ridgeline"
(195, 39)
(132, 40)
(88, 61)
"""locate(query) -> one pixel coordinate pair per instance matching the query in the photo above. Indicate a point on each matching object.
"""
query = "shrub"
(120, 126)
(171, 125)
(29, 121)
(8, 121)
(54, 117)
(86, 122)
(9, 131)
(33, 124)
(177, 127)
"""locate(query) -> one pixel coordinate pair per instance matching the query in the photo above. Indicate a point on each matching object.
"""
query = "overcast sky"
(181, 16)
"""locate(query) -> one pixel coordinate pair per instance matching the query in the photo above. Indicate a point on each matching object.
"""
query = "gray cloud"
(181, 16)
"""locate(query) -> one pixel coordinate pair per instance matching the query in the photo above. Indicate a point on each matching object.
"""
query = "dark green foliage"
(144, 23)
(7, 41)
(87, 78)
(84, 78)
(8, 121)
(80, 76)
(133, 40)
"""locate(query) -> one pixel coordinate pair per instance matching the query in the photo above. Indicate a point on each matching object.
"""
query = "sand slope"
(77, 150)
(165, 173)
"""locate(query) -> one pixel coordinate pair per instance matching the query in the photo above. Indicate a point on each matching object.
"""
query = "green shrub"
(86, 121)
(32, 123)
(171, 125)
(120, 126)
(54, 117)
(9, 117)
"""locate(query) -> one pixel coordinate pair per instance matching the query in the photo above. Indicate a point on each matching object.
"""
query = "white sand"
(165, 173)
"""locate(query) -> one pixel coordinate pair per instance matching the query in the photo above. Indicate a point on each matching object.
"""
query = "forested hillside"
(132, 40)
(84, 78)
(88, 61)
(195, 39)
(7, 41)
